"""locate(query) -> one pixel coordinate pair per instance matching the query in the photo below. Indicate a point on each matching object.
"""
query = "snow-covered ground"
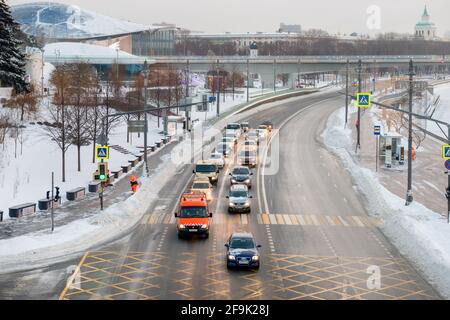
(27, 177)
(419, 233)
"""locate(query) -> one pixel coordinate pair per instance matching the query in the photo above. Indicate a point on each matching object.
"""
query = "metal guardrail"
(306, 59)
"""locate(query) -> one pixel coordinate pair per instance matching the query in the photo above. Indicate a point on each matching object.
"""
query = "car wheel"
(256, 268)
(206, 235)
(180, 236)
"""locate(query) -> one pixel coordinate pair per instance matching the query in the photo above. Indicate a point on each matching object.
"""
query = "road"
(317, 240)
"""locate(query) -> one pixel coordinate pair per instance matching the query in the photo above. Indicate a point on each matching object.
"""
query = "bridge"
(267, 66)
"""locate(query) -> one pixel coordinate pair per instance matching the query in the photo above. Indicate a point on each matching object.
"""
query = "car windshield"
(241, 171)
(249, 143)
(242, 243)
(193, 212)
(215, 156)
(238, 194)
(233, 126)
(205, 168)
(200, 185)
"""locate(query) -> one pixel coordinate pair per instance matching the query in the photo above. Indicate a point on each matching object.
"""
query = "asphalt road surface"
(317, 240)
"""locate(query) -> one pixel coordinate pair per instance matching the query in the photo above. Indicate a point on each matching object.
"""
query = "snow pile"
(419, 233)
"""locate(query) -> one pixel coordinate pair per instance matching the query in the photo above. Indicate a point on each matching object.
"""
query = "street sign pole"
(52, 200)
(376, 153)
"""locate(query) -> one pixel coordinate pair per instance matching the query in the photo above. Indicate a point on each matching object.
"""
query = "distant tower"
(253, 50)
(425, 29)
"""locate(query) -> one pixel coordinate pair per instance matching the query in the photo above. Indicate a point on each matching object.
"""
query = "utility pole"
(409, 195)
(187, 78)
(42, 73)
(218, 88)
(146, 72)
(358, 124)
(248, 79)
(346, 92)
(274, 75)
(374, 76)
(298, 73)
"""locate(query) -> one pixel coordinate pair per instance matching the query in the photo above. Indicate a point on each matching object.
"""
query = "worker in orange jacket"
(134, 183)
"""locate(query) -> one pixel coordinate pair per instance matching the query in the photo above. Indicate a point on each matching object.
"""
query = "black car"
(241, 175)
(242, 251)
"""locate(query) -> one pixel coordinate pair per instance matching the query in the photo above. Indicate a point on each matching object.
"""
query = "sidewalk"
(87, 207)
(429, 180)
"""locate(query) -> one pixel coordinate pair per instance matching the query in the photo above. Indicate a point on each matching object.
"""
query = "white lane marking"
(343, 221)
(263, 188)
(272, 219)
(163, 237)
(330, 221)
(358, 221)
(287, 219)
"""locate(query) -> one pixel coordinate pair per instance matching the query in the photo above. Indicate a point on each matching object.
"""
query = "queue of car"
(194, 216)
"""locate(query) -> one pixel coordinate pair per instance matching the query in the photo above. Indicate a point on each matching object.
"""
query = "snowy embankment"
(419, 233)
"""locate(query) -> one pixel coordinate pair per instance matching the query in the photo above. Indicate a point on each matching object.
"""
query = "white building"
(425, 29)
(244, 40)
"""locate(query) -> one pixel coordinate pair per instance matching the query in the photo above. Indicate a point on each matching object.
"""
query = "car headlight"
(247, 204)
(233, 180)
(231, 257)
(204, 226)
(182, 226)
(231, 204)
(255, 258)
(247, 181)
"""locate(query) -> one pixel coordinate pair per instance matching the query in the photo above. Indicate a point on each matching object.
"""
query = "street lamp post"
(248, 79)
(42, 72)
(409, 195)
(146, 72)
(346, 92)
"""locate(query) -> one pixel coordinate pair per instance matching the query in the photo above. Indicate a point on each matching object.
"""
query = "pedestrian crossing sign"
(102, 152)
(363, 99)
(446, 151)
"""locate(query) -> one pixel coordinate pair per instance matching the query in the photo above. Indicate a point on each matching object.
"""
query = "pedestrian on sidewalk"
(134, 183)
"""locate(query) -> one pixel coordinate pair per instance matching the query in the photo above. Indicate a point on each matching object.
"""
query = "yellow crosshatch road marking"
(153, 275)
(318, 220)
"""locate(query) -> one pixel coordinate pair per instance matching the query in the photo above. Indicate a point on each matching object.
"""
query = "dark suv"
(241, 175)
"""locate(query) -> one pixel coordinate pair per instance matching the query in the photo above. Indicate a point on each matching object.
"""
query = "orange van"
(193, 216)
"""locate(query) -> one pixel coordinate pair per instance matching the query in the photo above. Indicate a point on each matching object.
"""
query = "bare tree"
(60, 130)
(82, 76)
(26, 102)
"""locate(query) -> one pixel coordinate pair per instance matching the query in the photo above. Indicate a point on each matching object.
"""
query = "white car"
(251, 145)
(218, 159)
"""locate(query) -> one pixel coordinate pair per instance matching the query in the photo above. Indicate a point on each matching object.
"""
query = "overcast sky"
(342, 16)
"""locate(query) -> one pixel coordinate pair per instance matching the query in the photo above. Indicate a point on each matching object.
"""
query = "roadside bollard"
(1, 216)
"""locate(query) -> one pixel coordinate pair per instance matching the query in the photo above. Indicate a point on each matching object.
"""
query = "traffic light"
(103, 171)
(57, 194)
(447, 193)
